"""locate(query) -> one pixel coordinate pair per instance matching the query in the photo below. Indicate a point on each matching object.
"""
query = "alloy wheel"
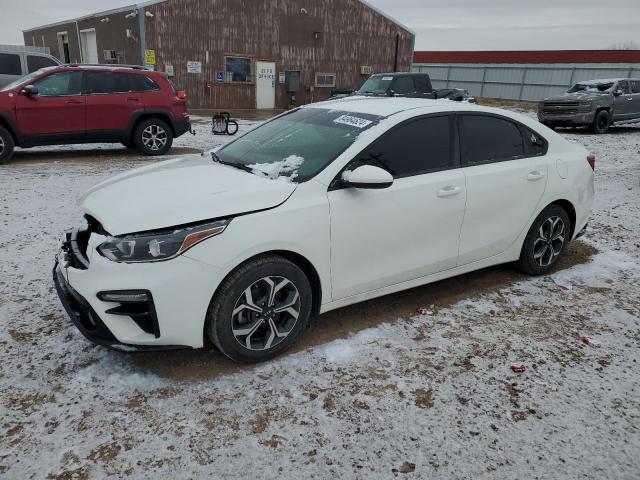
(549, 242)
(265, 313)
(603, 121)
(1, 146)
(154, 137)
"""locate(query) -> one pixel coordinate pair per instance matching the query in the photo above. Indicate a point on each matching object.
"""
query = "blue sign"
(219, 76)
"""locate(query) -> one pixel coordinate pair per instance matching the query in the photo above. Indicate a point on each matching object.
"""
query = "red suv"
(89, 104)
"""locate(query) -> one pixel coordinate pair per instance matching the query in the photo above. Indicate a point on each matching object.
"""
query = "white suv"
(322, 207)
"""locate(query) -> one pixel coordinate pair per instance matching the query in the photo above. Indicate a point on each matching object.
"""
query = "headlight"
(158, 246)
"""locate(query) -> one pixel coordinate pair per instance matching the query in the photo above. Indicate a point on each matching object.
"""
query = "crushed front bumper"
(89, 323)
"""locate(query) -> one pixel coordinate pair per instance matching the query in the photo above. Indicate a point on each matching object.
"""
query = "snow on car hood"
(176, 192)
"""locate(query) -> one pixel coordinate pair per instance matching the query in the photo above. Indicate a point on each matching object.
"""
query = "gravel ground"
(374, 391)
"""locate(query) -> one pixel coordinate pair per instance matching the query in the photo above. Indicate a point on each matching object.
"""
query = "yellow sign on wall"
(150, 57)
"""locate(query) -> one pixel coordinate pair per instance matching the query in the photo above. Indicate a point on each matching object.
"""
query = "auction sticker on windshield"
(353, 121)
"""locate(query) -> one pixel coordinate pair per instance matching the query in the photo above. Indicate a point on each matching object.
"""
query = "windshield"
(376, 85)
(591, 87)
(297, 145)
(24, 80)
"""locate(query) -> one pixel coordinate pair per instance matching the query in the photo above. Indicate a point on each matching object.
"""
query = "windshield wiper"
(239, 166)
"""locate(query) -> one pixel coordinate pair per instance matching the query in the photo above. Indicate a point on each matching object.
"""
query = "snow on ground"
(375, 391)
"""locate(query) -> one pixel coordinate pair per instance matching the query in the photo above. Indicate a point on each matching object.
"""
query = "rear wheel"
(601, 122)
(260, 310)
(546, 241)
(153, 137)
(6, 145)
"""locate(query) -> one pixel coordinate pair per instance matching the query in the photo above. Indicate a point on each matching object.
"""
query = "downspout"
(395, 60)
(142, 34)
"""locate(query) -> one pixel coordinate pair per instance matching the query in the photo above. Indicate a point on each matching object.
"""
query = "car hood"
(178, 192)
(576, 97)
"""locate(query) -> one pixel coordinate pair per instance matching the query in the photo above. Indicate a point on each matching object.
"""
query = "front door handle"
(133, 99)
(535, 176)
(74, 102)
(448, 191)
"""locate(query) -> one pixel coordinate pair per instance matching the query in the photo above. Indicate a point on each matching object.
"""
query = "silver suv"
(596, 104)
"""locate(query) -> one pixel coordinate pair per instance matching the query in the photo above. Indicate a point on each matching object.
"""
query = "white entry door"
(89, 46)
(265, 85)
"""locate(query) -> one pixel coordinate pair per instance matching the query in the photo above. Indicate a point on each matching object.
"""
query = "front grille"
(560, 108)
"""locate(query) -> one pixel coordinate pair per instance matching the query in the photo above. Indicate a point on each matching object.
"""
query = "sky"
(439, 24)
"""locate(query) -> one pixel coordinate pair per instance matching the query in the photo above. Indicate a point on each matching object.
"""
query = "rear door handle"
(133, 99)
(75, 102)
(448, 191)
(535, 176)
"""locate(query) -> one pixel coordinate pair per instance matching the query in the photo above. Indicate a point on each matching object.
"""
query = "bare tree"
(628, 45)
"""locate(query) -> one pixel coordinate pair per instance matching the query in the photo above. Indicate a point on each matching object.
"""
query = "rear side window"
(412, 148)
(60, 84)
(404, 86)
(107, 82)
(635, 86)
(490, 139)
(423, 84)
(534, 144)
(10, 64)
(142, 83)
(36, 62)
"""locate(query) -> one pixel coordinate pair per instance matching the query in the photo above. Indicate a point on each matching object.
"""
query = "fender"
(12, 128)
(135, 116)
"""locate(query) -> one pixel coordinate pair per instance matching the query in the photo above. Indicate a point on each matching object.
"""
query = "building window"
(238, 69)
(325, 80)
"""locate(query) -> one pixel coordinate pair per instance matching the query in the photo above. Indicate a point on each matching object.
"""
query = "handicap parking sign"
(219, 76)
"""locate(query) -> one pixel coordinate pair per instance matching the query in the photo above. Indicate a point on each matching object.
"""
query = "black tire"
(601, 123)
(6, 146)
(223, 327)
(530, 260)
(150, 143)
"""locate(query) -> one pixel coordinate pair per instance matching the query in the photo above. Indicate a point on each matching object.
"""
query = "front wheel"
(6, 146)
(153, 137)
(260, 310)
(601, 122)
(546, 241)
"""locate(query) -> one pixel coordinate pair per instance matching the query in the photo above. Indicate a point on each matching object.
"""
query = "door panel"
(385, 237)
(501, 199)
(110, 102)
(58, 109)
(623, 104)
(265, 85)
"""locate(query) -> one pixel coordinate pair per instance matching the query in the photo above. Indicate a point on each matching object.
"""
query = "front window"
(238, 69)
(297, 145)
(591, 87)
(376, 85)
(60, 84)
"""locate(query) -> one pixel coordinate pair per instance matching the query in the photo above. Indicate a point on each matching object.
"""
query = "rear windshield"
(297, 145)
(376, 84)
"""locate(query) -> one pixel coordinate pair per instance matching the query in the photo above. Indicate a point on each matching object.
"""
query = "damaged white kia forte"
(324, 206)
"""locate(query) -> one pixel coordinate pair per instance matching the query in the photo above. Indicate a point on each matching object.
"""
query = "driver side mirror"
(29, 90)
(367, 177)
(617, 93)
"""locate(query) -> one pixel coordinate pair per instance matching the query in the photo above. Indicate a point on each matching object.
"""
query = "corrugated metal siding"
(521, 82)
(349, 35)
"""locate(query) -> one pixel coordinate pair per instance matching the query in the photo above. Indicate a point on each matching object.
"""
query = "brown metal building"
(240, 54)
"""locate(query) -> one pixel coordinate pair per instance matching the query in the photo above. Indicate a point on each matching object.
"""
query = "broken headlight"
(158, 246)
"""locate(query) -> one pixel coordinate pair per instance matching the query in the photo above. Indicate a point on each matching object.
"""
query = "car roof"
(397, 74)
(602, 81)
(386, 107)
(105, 67)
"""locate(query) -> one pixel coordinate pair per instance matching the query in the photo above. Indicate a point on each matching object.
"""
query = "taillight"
(591, 158)
(182, 95)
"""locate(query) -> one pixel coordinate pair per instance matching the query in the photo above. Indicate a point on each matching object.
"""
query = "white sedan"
(324, 206)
